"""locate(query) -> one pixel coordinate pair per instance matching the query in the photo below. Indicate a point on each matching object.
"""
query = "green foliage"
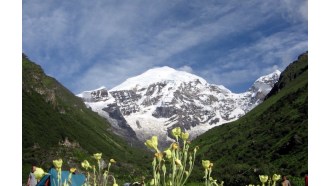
(51, 113)
(294, 70)
(296, 181)
(273, 137)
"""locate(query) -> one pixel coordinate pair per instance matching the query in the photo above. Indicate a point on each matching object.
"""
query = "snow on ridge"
(89, 91)
(211, 104)
(269, 76)
(262, 83)
(80, 95)
(87, 95)
(155, 75)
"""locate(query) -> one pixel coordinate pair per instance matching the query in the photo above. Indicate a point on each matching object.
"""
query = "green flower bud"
(164, 168)
(105, 175)
(152, 182)
(112, 161)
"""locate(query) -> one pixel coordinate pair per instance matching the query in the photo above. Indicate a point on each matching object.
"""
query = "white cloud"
(303, 10)
(168, 42)
(120, 40)
(186, 69)
(109, 74)
(294, 11)
(247, 63)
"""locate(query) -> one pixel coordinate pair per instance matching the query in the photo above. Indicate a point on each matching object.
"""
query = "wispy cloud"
(246, 63)
(86, 44)
(186, 69)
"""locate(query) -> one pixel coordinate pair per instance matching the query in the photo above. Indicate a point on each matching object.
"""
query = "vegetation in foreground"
(273, 137)
(171, 167)
(56, 124)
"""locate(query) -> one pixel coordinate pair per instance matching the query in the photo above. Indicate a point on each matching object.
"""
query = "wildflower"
(159, 156)
(152, 143)
(178, 162)
(58, 164)
(276, 177)
(97, 156)
(195, 149)
(112, 161)
(109, 165)
(72, 170)
(175, 146)
(206, 164)
(39, 173)
(185, 136)
(176, 132)
(85, 164)
(105, 174)
(263, 179)
(168, 153)
(152, 182)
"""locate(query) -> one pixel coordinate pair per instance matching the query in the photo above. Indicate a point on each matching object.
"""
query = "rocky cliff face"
(161, 99)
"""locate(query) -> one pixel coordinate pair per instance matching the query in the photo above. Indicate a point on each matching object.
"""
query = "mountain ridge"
(173, 98)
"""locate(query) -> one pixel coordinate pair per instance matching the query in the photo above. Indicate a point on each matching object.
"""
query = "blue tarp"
(51, 179)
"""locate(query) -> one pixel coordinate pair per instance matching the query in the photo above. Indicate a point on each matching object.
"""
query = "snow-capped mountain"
(161, 99)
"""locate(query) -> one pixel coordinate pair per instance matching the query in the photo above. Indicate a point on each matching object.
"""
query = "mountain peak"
(269, 77)
(158, 74)
(163, 68)
(277, 72)
(163, 98)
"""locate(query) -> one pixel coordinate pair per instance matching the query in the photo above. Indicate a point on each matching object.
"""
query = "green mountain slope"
(51, 114)
(272, 138)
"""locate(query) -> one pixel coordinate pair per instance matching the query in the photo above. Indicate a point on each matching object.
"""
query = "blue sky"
(88, 44)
